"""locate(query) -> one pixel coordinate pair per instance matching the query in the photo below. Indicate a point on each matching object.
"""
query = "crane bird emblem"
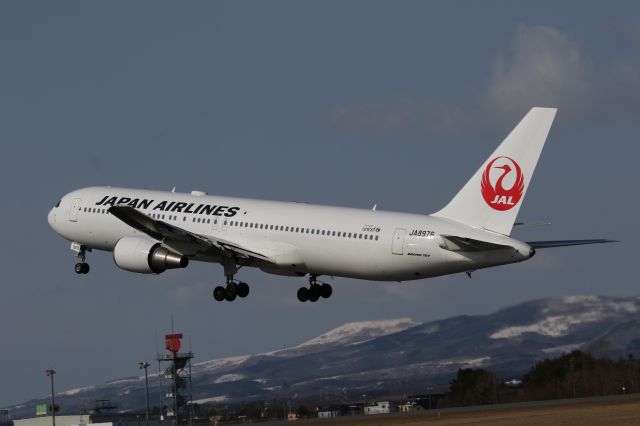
(495, 194)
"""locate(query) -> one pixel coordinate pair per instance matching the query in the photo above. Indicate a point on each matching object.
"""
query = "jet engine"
(146, 256)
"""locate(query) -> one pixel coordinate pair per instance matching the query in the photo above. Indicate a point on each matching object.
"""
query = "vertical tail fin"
(492, 197)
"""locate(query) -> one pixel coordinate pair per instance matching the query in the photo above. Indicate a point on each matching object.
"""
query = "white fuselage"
(300, 238)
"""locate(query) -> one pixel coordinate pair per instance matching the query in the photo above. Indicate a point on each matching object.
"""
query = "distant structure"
(418, 403)
(328, 412)
(4, 418)
(97, 407)
(175, 380)
(378, 408)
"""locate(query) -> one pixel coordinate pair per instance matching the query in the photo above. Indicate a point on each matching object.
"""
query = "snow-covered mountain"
(375, 355)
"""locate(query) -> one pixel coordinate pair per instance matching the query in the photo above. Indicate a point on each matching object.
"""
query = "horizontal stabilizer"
(565, 243)
(455, 243)
(531, 224)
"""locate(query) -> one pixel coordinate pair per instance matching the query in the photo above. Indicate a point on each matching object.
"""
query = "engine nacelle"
(146, 256)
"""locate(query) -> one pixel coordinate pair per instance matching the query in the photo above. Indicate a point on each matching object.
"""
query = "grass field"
(624, 411)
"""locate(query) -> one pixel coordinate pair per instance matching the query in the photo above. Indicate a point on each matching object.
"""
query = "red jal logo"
(496, 196)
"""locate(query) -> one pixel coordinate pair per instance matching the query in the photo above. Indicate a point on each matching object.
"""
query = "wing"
(184, 240)
(565, 243)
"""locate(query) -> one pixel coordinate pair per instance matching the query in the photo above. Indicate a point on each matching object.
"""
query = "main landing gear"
(234, 288)
(316, 290)
(82, 267)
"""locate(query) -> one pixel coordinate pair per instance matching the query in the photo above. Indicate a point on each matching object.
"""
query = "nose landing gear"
(82, 267)
(316, 290)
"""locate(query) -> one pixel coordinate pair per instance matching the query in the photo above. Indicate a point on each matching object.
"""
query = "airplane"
(152, 231)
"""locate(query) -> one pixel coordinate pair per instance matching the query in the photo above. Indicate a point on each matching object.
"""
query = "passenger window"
(376, 238)
(360, 236)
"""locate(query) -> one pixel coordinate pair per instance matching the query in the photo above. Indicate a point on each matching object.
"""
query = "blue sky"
(341, 103)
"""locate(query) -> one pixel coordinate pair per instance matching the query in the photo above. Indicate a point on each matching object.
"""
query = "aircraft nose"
(51, 218)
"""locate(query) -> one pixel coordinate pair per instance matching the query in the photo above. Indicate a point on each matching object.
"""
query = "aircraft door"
(220, 224)
(397, 246)
(74, 208)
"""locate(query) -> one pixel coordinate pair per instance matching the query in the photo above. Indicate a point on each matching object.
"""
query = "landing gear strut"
(234, 288)
(82, 267)
(316, 290)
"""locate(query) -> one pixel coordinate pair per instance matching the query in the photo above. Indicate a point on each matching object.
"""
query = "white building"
(378, 408)
(409, 407)
(328, 413)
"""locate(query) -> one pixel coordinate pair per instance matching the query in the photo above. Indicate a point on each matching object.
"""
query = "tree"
(474, 387)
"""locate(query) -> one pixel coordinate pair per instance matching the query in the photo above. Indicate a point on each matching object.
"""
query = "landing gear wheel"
(314, 293)
(303, 294)
(231, 292)
(243, 290)
(82, 268)
(326, 291)
(219, 293)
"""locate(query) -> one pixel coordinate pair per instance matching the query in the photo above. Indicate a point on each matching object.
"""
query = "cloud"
(191, 294)
(540, 66)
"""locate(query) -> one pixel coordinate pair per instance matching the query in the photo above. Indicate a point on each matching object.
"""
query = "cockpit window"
(58, 203)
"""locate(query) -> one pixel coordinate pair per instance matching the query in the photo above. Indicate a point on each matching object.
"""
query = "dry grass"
(601, 413)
